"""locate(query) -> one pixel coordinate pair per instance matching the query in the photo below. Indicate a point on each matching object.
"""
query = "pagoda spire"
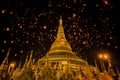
(110, 69)
(60, 43)
(60, 21)
(30, 60)
(96, 64)
(60, 29)
(25, 62)
(19, 66)
(5, 61)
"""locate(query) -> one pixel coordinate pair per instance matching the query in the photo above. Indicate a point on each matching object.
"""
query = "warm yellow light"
(62, 40)
(12, 64)
(64, 62)
(105, 56)
(100, 55)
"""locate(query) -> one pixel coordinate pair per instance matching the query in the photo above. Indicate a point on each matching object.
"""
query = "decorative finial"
(60, 21)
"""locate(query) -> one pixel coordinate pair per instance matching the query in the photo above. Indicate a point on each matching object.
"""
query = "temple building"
(59, 63)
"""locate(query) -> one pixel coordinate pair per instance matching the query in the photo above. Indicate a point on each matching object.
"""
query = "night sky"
(91, 27)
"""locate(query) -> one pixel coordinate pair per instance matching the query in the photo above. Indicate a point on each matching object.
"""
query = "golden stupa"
(61, 53)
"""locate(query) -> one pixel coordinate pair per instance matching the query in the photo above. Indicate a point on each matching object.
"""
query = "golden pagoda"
(61, 54)
(62, 63)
